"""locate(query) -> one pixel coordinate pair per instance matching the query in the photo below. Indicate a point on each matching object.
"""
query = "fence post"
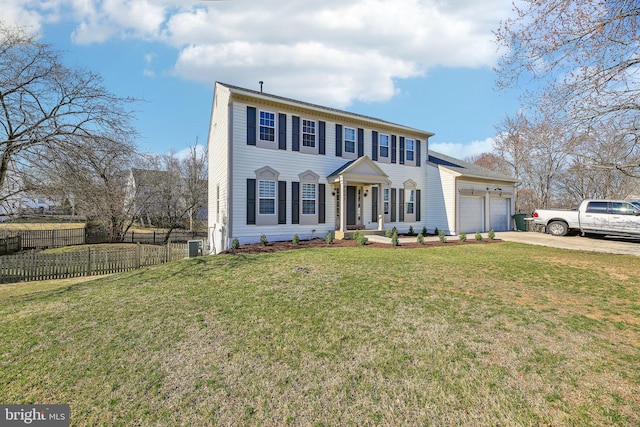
(132, 234)
(154, 237)
(53, 238)
(138, 255)
(168, 255)
(88, 262)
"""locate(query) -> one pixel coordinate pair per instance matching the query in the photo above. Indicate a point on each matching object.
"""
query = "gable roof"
(362, 169)
(319, 108)
(465, 169)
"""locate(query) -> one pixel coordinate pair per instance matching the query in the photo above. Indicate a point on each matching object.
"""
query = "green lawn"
(477, 335)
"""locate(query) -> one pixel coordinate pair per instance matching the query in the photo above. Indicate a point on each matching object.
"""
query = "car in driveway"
(593, 217)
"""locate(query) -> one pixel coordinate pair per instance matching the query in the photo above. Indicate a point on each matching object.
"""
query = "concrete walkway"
(613, 245)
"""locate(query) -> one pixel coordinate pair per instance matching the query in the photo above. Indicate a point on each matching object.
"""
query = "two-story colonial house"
(281, 167)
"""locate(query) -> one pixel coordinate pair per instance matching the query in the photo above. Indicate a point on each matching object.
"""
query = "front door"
(352, 195)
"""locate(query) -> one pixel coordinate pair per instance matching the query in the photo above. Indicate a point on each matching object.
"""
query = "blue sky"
(421, 63)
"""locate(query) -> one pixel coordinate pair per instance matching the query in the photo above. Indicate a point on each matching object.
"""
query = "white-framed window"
(410, 201)
(308, 199)
(385, 199)
(384, 145)
(349, 140)
(267, 197)
(409, 145)
(308, 133)
(267, 126)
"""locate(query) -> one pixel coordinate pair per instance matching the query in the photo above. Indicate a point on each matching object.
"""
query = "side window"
(308, 199)
(597, 207)
(410, 202)
(386, 201)
(384, 145)
(622, 208)
(267, 126)
(349, 140)
(308, 133)
(266, 197)
(410, 150)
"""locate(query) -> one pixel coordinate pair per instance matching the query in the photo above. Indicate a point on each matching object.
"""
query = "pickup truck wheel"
(557, 228)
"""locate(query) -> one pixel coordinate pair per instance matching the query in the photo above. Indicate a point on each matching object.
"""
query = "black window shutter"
(417, 205)
(402, 151)
(374, 204)
(321, 204)
(251, 201)
(282, 131)
(360, 142)
(374, 145)
(418, 152)
(393, 205)
(251, 125)
(401, 203)
(393, 148)
(338, 140)
(295, 203)
(282, 202)
(322, 126)
(295, 133)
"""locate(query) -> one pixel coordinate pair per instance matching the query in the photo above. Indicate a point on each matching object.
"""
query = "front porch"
(350, 185)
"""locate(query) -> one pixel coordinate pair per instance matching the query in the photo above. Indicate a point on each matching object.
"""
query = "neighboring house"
(281, 167)
(463, 197)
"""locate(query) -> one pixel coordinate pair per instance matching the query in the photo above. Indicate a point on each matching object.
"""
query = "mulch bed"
(320, 243)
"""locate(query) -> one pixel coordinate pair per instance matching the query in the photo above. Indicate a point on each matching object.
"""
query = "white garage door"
(500, 214)
(471, 214)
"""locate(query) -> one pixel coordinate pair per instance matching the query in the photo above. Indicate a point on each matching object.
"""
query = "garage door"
(500, 214)
(471, 214)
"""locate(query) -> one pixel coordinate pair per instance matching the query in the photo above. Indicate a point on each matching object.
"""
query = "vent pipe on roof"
(260, 85)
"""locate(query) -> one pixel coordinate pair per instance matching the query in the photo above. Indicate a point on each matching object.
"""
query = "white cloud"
(331, 52)
(463, 151)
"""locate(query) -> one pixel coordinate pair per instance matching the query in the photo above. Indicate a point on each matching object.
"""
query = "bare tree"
(176, 189)
(95, 176)
(194, 172)
(47, 106)
(585, 54)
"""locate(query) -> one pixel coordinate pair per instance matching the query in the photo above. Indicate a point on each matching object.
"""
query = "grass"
(19, 226)
(501, 334)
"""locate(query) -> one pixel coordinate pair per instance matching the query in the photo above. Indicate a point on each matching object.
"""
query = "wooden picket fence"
(36, 265)
(10, 244)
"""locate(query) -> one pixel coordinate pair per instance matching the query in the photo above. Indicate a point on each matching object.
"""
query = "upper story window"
(308, 133)
(386, 201)
(384, 145)
(410, 149)
(349, 140)
(267, 126)
(308, 199)
(267, 197)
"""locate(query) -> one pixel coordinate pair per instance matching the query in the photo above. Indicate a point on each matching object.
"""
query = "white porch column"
(343, 205)
(380, 208)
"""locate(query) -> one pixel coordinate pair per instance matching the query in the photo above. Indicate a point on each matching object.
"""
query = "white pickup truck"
(593, 217)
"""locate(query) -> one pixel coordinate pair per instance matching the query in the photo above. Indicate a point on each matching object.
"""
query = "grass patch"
(19, 226)
(501, 334)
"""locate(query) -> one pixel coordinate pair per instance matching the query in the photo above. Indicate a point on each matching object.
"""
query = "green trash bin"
(520, 222)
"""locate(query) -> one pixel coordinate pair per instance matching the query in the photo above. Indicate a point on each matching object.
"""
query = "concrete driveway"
(612, 245)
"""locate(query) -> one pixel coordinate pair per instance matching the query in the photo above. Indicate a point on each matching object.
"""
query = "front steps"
(348, 235)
